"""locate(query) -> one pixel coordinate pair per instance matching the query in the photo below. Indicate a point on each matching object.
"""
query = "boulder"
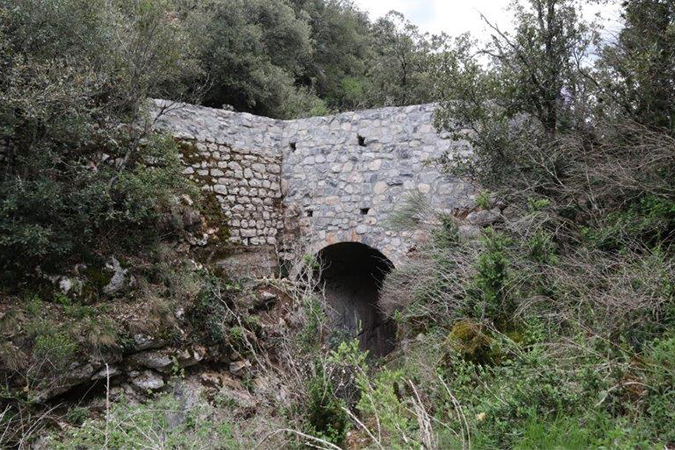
(187, 393)
(76, 375)
(118, 280)
(239, 367)
(157, 360)
(190, 357)
(147, 380)
(106, 372)
(484, 218)
(147, 342)
(468, 232)
(511, 213)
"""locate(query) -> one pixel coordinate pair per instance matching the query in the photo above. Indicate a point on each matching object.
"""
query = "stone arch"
(351, 275)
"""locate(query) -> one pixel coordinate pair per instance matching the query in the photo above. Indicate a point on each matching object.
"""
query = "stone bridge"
(326, 184)
(328, 179)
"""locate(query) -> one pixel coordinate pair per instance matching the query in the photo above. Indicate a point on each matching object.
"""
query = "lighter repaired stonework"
(327, 179)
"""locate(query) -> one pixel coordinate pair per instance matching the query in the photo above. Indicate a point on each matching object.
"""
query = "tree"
(531, 91)
(250, 52)
(405, 62)
(540, 61)
(342, 52)
(76, 78)
(637, 73)
(293, 58)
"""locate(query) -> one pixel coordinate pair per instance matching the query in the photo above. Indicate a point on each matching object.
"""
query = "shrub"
(325, 414)
(660, 394)
(649, 221)
(483, 199)
(310, 336)
(47, 222)
(162, 422)
(492, 280)
(333, 389)
(381, 399)
(53, 349)
(210, 314)
(84, 176)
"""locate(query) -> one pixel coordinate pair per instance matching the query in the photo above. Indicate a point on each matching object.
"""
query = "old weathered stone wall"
(344, 175)
(325, 179)
(235, 157)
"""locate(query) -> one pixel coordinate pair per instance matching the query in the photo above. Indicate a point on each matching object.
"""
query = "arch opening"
(352, 275)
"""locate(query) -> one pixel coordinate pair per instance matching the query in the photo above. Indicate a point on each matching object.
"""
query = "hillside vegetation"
(551, 327)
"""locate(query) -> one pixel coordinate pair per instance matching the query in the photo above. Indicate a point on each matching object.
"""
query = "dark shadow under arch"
(352, 274)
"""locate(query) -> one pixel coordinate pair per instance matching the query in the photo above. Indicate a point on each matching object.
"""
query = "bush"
(162, 422)
(53, 349)
(325, 415)
(333, 390)
(211, 314)
(77, 215)
(649, 221)
(84, 175)
(492, 280)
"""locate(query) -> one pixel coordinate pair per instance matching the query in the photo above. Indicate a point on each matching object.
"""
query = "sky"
(458, 16)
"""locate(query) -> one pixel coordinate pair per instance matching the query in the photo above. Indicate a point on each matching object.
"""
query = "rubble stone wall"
(344, 175)
(234, 156)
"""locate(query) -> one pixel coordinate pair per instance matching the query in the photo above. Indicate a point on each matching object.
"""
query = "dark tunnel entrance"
(352, 275)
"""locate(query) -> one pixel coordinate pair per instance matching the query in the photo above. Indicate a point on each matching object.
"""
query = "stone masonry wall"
(343, 175)
(235, 157)
(246, 185)
(328, 179)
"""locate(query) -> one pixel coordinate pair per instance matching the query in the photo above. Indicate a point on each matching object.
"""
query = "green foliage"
(53, 348)
(555, 332)
(77, 181)
(34, 305)
(281, 58)
(326, 418)
(299, 58)
(660, 375)
(534, 205)
(483, 199)
(304, 103)
(649, 221)
(161, 422)
(210, 313)
(578, 433)
(447, 234)
(405, 62)
(492, 279)
(332, 389)
(248, 51)
(515, 105)
(309, 337)
(542, 247)
(381, 396)
(77, 416)
(348, 353)
(342, 52)
(311, 262)
(325, 415)
(635, 71)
